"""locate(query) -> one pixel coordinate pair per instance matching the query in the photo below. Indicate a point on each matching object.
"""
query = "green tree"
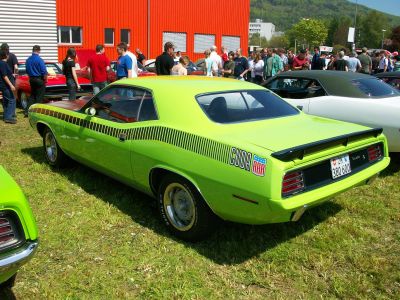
(256, 40)
(395, 37)
(371, 26)
(279, 42)
(310, 32)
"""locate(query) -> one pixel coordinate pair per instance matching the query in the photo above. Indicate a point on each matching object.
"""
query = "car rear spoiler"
(299, 151)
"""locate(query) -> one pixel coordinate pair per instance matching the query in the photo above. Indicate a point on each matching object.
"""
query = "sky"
(388, 6)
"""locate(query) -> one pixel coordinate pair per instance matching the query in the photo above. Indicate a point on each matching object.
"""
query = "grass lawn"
(100, 239)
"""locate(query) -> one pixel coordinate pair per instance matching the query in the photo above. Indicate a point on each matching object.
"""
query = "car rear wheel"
(52, 151)
(183, 209)
(23, 100)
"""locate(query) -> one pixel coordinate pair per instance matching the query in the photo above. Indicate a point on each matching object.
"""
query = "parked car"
(345, 96)
(392, 78)
(207, 147)
(192, 69)
(56, 87)
(18, 231)
(111, 75)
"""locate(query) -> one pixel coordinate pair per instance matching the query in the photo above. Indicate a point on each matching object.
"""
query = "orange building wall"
(231, 18)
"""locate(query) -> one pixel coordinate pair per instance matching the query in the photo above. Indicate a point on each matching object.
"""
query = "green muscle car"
(211, 148)
(18, 232)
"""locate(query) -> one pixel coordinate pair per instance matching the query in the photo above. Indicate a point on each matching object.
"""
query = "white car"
(345, 96)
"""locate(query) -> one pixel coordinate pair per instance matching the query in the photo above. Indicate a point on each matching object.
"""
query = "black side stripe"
(188, 141)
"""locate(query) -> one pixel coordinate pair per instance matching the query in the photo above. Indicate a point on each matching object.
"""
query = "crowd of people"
(257, 67)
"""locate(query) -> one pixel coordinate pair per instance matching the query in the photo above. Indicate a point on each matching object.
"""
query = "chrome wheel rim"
(50, 145)
(179, 206)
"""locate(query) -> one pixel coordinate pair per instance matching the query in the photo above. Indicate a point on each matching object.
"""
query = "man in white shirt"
(134, 64)
(217, 61)
(354, 63)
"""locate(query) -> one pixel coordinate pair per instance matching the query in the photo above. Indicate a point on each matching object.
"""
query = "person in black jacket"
(165, 61)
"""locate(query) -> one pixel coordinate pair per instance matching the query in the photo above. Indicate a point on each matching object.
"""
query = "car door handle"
(122, 137)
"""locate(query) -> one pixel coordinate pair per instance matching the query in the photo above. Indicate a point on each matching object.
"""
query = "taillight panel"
(11, 233)
(320, 174)
(293, 182)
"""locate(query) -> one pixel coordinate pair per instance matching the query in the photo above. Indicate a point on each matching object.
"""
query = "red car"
(111, 76)
(56, 87)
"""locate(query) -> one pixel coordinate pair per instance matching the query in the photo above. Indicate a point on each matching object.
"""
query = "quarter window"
(69, 35)
(124, 105)
(374, 87)
(296, 88)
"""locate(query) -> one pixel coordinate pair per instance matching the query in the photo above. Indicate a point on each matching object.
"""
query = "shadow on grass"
(394, 165)
(231, 244)
(7, 294)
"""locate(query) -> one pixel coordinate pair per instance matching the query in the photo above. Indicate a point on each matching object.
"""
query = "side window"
(124, 105)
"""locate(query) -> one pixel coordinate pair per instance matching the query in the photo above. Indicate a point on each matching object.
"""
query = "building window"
(109, 36)
(126, 36)
(231, 43)
(69, 35)
(203, 42)
(177, 38)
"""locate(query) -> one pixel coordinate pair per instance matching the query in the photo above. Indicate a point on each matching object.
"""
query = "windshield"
(243, 106)
(374, 87)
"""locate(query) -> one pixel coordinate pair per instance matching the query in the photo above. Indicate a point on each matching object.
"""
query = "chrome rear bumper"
(17, 257)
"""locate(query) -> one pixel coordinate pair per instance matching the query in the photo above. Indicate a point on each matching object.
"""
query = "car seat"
(218, 110)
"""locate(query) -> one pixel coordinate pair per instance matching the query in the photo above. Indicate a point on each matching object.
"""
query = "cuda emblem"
(245, 160)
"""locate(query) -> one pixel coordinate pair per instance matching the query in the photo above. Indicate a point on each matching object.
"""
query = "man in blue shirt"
(37, 72)
(124, 66)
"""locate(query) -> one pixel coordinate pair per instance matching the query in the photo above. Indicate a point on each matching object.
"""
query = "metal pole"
(295, 47)
(355, 27)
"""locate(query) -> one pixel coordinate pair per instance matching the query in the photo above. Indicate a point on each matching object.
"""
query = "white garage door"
(231, 43)
(203, 42)
(177, 38)
(25, 23)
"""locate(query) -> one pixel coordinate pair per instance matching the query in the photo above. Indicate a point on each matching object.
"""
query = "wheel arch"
(40, 126)
(159, 172)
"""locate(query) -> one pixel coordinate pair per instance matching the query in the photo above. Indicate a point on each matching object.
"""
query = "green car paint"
(15, 213)
(231, 165)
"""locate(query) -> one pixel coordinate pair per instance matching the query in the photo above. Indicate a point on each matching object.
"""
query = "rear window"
(243, 106)
(373, 87)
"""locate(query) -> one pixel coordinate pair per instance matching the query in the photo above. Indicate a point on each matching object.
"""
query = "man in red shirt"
(98, 66)
(301, 61)
(224, 55)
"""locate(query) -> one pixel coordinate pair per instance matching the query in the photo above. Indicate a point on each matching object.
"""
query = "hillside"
(284, 13)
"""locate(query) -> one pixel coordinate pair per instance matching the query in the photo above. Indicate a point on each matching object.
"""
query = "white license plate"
(340, 166)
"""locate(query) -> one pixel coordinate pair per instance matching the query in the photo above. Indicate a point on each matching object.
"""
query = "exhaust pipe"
(298, 213)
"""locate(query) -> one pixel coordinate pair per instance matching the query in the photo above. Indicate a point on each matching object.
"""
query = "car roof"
(388, 74)
(337, 83)
(176, 94)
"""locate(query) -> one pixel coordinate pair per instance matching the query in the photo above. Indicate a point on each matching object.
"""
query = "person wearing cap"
(165, 61)
(37, 72)
(12, 60)
(366, 61)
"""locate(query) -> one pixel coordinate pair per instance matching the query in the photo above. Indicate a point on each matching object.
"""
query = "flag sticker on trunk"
(259, 165)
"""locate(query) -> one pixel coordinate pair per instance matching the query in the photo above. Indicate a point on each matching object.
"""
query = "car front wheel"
(52, 151)
(184, 210)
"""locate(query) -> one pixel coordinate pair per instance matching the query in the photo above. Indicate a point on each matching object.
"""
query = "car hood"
(57, 79)
(288, 132)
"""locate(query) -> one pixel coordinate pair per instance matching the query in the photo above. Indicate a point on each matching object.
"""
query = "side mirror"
(91, 111)
(299, 107)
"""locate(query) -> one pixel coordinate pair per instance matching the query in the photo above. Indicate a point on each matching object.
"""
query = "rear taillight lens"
(7, 234)
(292, 183)
(374, 153)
